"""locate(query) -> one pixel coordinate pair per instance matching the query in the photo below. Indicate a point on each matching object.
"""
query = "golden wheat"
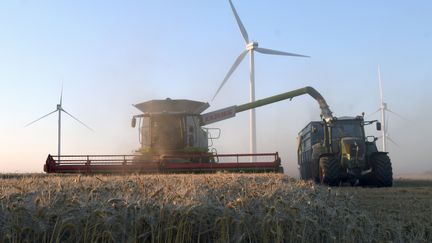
(207, 208)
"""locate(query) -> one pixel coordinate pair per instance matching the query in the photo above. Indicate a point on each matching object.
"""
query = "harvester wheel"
(382, 170)
(329, 171)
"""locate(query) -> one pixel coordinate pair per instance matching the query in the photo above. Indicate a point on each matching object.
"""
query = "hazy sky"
(111, 54)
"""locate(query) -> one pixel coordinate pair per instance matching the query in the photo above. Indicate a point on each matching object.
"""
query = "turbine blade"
(373, 113)
(240, 24)
(396, 114)
(392, 141)
(274, 52)
(76, 119)
(61, 94)
(232, 69)
(41, 118)
(380, 84)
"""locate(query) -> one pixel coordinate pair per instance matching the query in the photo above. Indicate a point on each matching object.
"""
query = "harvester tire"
(329, 171)
(382, 170)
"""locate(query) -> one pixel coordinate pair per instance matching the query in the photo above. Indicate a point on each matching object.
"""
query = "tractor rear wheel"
(329, 171)
(382, 170)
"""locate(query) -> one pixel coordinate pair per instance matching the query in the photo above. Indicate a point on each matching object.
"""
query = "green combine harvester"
(174, 138)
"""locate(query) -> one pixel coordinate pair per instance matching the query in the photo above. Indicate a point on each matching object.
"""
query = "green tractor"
(334, 151)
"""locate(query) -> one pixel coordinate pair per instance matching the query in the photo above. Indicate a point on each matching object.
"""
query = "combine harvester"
(174, 139)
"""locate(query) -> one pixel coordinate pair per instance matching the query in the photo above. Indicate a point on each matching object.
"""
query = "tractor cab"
(347, 139)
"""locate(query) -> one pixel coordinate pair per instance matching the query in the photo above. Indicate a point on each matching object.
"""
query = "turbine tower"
(250, 48)
(59, 109)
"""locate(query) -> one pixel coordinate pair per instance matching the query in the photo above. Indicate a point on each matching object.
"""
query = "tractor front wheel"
(329, 171)
(382, 170)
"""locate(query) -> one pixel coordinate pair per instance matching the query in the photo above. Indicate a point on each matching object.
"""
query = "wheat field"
(208, 208)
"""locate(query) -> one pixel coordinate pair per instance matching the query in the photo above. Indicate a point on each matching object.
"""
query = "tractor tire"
(329, 171)
(382, 170)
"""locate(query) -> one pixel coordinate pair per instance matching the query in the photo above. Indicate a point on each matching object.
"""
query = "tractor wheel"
(382, 170)
(329, 171)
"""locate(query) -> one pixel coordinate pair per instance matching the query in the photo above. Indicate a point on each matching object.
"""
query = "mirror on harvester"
(133, 122)
(378, 126)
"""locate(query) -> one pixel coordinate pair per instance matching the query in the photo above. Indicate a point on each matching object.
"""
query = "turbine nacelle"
(251, 46)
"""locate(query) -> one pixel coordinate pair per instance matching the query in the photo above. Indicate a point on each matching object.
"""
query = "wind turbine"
(384, 118)
(250, 48)
(59, 109)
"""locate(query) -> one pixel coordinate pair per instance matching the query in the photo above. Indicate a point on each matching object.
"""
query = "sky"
(112, 54)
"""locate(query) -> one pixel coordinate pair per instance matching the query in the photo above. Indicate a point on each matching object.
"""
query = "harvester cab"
(171, 127)
(338, 150)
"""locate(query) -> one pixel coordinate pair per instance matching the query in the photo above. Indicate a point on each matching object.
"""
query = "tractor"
(337, 150)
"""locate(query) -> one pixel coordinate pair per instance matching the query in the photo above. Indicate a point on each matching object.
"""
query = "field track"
(209, 208)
